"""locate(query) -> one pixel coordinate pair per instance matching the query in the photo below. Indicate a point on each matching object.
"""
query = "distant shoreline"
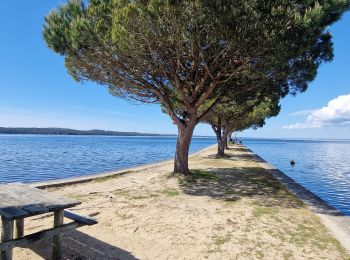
(68, 131)
(57, 131)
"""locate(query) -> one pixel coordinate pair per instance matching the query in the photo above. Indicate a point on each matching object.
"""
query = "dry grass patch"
(170, 192)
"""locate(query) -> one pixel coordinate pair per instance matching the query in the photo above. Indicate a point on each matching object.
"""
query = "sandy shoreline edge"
(333, 219)
(87, 178)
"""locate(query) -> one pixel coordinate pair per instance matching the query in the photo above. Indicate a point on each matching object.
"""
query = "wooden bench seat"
(78, 218)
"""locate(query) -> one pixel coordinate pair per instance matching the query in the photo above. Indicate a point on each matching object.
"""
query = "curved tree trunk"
(182, 148)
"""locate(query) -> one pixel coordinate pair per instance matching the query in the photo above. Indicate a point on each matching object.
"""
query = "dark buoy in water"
(292, 162)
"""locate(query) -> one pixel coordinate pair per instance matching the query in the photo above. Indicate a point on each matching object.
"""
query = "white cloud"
(336, 113)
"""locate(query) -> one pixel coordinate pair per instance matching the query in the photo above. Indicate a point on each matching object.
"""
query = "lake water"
(30, 158)
(322, 166)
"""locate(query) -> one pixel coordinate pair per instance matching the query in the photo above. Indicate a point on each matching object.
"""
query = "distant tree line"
(67, 131)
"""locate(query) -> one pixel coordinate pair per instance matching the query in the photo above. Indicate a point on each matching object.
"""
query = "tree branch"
(208, 111)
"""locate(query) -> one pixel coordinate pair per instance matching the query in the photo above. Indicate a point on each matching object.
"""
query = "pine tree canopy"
(190, 52)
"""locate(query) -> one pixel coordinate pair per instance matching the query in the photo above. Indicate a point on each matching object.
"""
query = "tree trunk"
(224, 139)
(221, 146)
(219, 137)
(182, 148)
(228, 138)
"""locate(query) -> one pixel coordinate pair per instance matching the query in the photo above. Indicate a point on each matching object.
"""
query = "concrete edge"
(336, 222)
(88, 178)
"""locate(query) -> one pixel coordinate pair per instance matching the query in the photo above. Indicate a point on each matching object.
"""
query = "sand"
(231, 209)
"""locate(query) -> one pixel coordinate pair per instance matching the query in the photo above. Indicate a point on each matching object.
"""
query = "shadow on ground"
(267, 187)
(236, 157)
(232, 184)
(80, 246)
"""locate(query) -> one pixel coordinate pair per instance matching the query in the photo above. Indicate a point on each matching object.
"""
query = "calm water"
(321, 166)
(30, 158)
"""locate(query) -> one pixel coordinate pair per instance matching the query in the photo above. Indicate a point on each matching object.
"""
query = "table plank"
(20, 198)
(46, 199)
(20, 201)
(8, 208)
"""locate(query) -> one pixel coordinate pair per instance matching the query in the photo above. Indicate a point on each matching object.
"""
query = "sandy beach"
(231, 209)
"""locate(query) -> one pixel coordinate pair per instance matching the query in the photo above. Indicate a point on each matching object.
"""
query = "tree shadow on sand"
(232, 184)
(77, 245)
(237, 157)
(263, 186)
(267, 187)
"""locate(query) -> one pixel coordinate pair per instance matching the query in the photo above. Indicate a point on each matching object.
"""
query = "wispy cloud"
(302, 112)
(336, 113)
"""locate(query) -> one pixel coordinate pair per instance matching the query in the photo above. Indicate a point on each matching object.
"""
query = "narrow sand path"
(231, 209)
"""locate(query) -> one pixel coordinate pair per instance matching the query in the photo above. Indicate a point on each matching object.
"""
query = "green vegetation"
(167, 192)
(288, 255)
(220, 240)
(190, 56)
(198, 176)
(110, 177)
(260, 211)
(237, 116)
(203, 175)
(170, 192)
(141, 197)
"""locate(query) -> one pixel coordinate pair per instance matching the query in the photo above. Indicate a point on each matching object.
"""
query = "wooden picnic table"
(19, 201)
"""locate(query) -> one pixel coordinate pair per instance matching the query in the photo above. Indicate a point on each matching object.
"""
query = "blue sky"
(36, 91)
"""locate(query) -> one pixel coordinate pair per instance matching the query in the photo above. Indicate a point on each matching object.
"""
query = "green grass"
(220, 240)
(110, 177)
(313, 232)
(146, 196)
(167, 191)
(261, 211)
(196, 176)
(288, 255)
(203, 175)
(122, 194)
(170, 192)
(127, 195)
